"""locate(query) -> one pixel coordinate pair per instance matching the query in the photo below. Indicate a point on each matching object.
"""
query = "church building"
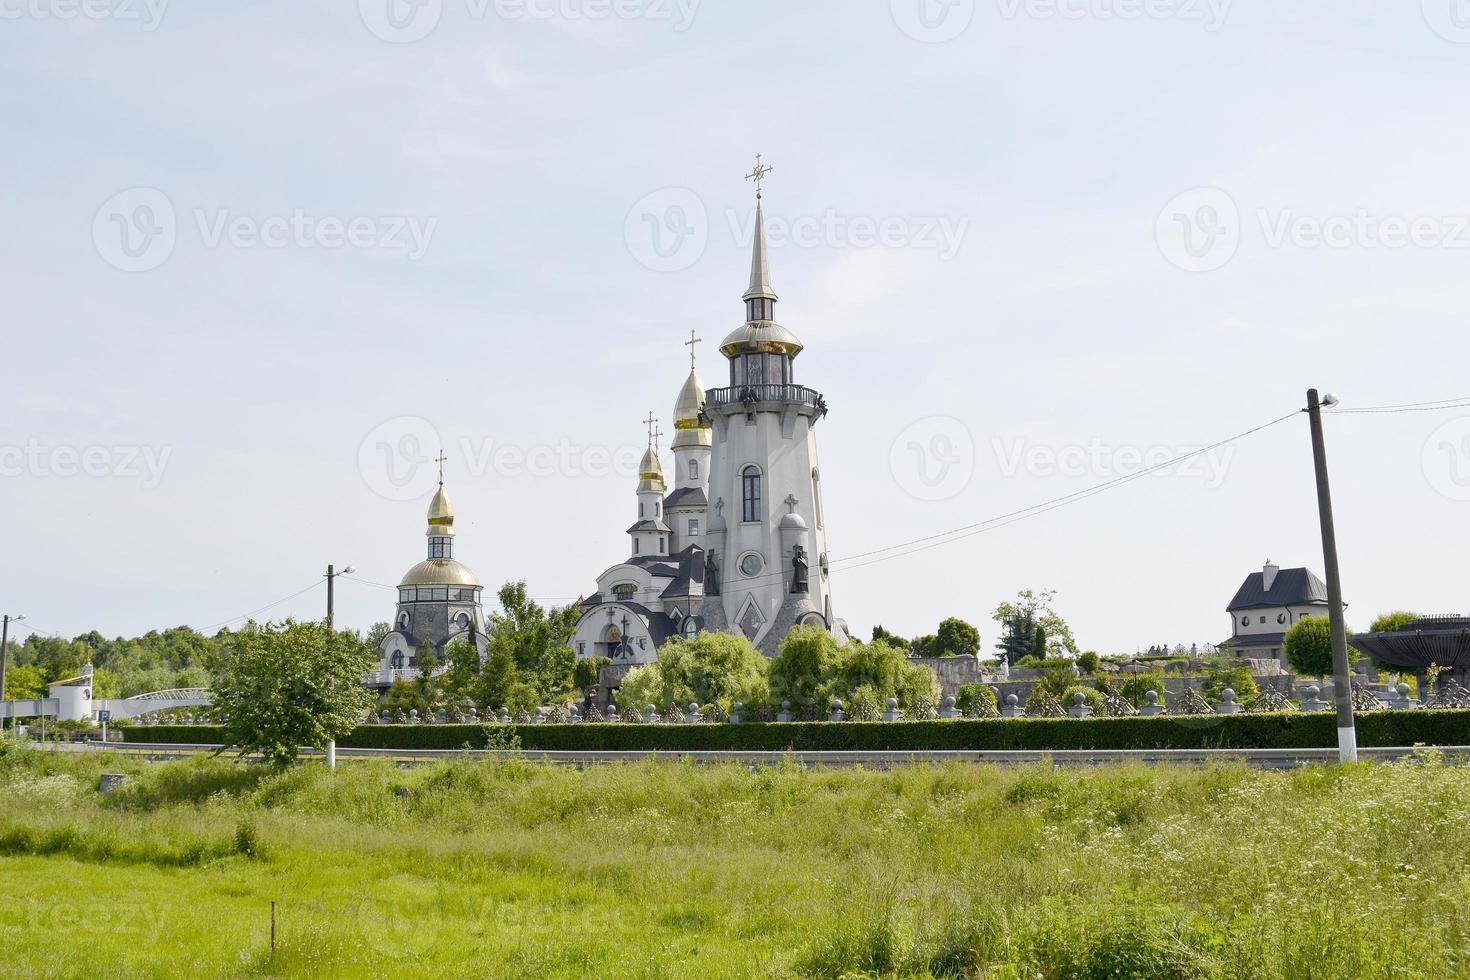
(438, 602)
(739, 544)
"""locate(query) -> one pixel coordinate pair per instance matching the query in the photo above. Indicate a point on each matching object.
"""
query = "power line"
(1436, 406)
(255, 612)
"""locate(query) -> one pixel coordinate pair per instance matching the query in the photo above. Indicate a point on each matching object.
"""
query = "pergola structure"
(1442, 641)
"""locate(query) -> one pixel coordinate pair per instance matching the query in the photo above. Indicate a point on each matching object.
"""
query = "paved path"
(1261, 758)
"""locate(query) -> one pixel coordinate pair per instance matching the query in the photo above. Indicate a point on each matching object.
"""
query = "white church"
(739, 543)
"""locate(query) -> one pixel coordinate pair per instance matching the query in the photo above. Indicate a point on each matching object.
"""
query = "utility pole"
(332, 574)
(1342, 681)
(4, 649)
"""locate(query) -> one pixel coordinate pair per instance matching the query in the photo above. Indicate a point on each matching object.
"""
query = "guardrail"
(31, 708)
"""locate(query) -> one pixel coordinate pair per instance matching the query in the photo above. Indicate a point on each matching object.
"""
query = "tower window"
(694, 527)
(694, 469)
(750, 491)
(661, 545)
(635, 546)
(441, 547)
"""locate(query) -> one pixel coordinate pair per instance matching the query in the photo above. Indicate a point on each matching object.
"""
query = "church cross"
(650, 421)
(440, 461)
(791, 502)
(693, 339)
(758, 175)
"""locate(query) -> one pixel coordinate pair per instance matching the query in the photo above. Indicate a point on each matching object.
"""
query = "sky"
(263, 261)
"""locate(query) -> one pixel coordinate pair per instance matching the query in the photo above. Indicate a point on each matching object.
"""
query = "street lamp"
(332, 574)
(5, 622)
(1342, 682)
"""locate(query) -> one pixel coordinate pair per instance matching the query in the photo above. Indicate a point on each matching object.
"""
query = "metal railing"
(752, 394)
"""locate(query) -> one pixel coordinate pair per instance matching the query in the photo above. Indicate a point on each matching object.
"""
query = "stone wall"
(953, 672)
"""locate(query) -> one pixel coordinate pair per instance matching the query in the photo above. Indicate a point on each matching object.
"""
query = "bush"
(1287, 730)
(967, 695)
(1238, 679)
(711, 668)
(1135, 687)
(805, 666)
(1091, 697)
(885, 668)
(1308, 647)
(1090, 662)
(585, 672)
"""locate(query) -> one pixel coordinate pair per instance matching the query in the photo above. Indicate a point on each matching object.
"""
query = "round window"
(751, 565)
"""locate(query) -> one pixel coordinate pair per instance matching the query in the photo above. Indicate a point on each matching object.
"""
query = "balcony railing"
(757, 394)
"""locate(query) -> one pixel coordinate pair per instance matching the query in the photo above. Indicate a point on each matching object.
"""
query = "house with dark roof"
(1267, 604)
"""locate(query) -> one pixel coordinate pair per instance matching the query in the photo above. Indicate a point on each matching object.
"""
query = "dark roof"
(656, 565)
(691, 572)
(660, 627)
(1292, 587)
(653, 525)
(1256, 640)
(686, 497)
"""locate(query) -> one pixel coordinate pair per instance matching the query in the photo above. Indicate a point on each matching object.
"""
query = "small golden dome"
(650, 468)
(441, 512)
(758, 336)
(690, 401)
(439, 572)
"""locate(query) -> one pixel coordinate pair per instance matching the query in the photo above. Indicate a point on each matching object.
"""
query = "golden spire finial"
(440, 461)
(693, 339)
(758, 175)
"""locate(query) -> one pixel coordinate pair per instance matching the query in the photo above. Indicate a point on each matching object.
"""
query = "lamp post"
(4, 648)
(332, 574)
(1342, 681)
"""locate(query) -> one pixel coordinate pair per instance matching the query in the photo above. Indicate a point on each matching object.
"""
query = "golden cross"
(758, 175)
(650, 423)
(693, 339)
(440, 461)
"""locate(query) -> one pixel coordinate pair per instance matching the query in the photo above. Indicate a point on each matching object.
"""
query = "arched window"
(750, 491)
(694, 469)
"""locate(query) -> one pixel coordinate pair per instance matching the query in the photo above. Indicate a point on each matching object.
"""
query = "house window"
(625, 590)
(1263, 619)
(694, 527)
(581, 648)
(694, 469)
(750, 489)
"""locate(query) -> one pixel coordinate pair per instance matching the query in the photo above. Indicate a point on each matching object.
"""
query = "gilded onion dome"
(441, 514)
(651, 472)
(688, 404)
(440, 569)
(760, 333)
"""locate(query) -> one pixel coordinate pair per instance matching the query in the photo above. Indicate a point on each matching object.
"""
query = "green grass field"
(663, 870)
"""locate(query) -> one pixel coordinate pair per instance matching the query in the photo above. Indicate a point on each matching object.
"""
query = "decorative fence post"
(785, 714)
(1151, 704)
(737, 713)
(1013, 707)
(837, 713)
(1079, 707)
(1313, 700)
(947, 708)
(893, 713)
(1228, 705)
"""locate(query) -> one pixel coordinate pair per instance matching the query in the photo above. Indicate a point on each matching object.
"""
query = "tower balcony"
(751, 397)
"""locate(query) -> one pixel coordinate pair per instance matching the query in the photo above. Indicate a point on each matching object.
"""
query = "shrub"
(1308, 647)
(1136, 686)
(1090, 662)
(1091, 697)
(967, 695)
(585, 672)
(805, 666)
(711, 668)
(885, 668)
(1238, 679)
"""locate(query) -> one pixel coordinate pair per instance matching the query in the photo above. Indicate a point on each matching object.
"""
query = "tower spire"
(760, 298)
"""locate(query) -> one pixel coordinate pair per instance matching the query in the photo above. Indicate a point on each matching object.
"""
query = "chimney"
(1268, 575)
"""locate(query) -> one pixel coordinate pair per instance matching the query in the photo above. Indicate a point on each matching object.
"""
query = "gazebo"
(1412, 648)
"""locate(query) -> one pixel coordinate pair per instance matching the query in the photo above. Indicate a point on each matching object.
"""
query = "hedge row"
(1243, 731)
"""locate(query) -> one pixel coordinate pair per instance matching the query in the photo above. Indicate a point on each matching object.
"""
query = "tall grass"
(664, 869)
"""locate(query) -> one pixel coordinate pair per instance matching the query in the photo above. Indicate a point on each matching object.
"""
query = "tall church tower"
(766, 548)
(650, 535)
(686, 505)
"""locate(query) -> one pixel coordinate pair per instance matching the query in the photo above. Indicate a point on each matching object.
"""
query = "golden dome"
(690, 401)
(650, 468)
(760, 335)
(441, 512)
(439, 572)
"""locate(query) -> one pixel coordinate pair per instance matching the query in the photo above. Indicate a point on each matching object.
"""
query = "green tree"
(24, 681)
(539, 640)
(1089, 661)
(586, 672)
(920, 646)
(805, 666)
(711, 668)
(956, 638)
(1237, 677)
(879, 633)
(885, 669)
(1308, 647)
(1390, 622)
(968, 694)
(282, 687)
(1021, 619)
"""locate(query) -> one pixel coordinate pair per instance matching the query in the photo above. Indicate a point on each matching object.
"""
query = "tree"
(1390, 622)
(884, 668)
(282, 687)
(1021, 620)
(711, 668)
(587, 671)
(879, 633)
(805, 666)
(919, 646)
(1089, 661)
(1308, 647)
(956, 638)
(968, 694)
(538, 640)
(24, 681)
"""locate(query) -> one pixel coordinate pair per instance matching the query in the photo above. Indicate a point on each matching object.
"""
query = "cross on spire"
(693, 339)
(440, 461)
(653, 431)
(758, 175)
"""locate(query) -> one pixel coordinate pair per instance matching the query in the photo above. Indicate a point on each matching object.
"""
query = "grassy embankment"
(514, 869)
